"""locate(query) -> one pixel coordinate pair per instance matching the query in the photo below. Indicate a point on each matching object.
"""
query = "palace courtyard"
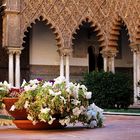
(117, 127)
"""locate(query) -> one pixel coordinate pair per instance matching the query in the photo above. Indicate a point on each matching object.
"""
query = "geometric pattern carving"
(66, 15)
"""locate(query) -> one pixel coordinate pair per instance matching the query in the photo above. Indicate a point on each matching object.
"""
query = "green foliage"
(6, 117)
(109, 90)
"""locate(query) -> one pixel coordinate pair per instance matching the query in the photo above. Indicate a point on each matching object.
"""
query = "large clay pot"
(21, 118)
(28, 125)
(17, 114)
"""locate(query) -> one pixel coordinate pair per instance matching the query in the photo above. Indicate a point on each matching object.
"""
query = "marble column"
(138, 65)
(61, 65)
(112, 69)
(105, 64)
(136, 69)
(17, 69)
(65, 54)
(11, 67)
(67, 69)
(14, 72)
(138, 75)
(135, 75)
(109, 60)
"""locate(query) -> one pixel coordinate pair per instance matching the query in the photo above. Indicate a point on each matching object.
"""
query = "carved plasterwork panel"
(66, 15)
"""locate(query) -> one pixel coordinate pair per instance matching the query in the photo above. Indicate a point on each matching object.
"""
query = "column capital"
(12, 50)
(135, 47)
(109, 53)
(65, 51)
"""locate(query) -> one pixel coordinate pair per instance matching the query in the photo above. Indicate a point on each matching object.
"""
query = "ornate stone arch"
(30, 11)
(114, 31)
(55, 30)
(96, 26)
(135, 45)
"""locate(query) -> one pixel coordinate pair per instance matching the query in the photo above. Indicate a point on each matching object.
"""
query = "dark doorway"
(100, 60)
(91, 58)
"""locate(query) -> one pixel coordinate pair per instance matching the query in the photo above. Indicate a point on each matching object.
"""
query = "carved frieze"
(67, 15)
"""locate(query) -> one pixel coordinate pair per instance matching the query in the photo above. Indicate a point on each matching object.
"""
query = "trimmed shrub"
(110, 90)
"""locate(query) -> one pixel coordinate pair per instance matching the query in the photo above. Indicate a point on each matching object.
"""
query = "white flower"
(7, 85)
(54, 93)
(45, 110)
(91, 114)
(33, 82)
(75, 102)
(94, 107)
(59, 80)
(28, 87)
(58, 93)
(34, 122)
(23, 83)
(47, 84)
(82, 108)
(2, 89)
(29, 118)
(62, 121)
(51, 92)
(88, 95)
(42, 119)
(26, 104)
(75, 92)
(63, 99)
(70, 85)
(83, 87)
(92, 124)
(51, 121)
(68, 90)
(67, 120)
(76, 111)
(12, 108)
(33, 87)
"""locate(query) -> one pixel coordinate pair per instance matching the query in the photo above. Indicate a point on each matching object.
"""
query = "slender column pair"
(65, 58)
(14, 52)
(67, 71)
(109, 63)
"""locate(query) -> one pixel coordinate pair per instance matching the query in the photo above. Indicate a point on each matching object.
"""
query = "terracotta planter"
(21, 118)
(17, 114)
(27, 125)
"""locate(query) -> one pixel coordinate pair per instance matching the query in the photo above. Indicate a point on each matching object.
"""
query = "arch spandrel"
(128, 11)
(96, 26)
(114, 29)
(65, 16)
(55, 30)
(29, 17)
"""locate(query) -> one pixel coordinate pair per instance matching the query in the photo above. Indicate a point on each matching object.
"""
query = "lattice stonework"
(66, 15)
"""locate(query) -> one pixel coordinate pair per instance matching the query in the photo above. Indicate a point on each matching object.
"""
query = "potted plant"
(57, 104)
(8, 96)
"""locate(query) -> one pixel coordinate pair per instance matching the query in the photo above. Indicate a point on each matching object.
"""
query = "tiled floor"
(116, 128)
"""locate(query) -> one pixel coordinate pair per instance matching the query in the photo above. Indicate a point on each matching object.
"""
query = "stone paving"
(117, 127)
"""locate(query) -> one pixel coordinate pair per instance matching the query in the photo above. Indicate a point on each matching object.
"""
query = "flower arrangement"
(6, 90)
(47, 101)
